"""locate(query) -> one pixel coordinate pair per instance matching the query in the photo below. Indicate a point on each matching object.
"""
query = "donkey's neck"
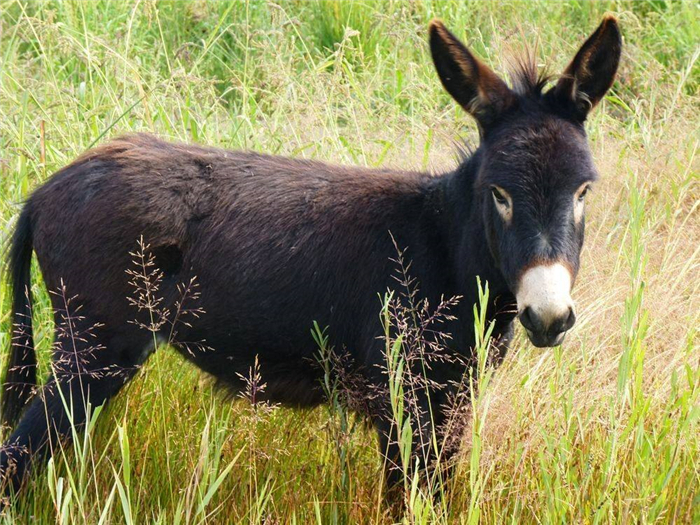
(470, 256)
(464, 230)
(456, 209)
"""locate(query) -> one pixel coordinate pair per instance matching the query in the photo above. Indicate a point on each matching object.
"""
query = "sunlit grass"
(604, 429)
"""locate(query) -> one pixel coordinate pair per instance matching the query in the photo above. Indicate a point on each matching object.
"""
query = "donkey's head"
(535, 168)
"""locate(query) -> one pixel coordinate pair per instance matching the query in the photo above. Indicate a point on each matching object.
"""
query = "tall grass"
(604, 429)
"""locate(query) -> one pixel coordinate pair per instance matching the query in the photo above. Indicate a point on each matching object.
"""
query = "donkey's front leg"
(421, 452)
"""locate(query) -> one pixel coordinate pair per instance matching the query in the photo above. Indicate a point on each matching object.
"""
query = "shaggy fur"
(275, 244)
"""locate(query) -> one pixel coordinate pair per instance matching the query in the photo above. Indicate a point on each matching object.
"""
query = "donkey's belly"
(289, 376)
(254, 320)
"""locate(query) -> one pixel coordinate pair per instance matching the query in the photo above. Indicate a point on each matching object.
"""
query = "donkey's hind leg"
(86, 372)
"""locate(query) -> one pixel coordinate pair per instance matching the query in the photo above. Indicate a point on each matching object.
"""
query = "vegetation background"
(602, 430)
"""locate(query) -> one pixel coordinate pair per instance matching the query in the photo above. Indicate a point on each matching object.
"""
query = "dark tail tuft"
(20, 376)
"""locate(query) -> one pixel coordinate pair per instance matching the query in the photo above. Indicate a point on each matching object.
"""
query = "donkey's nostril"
(530, 321)
(570, 321)
(549, 324)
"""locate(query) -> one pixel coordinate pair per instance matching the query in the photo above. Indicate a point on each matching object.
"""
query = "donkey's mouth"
(545, 340)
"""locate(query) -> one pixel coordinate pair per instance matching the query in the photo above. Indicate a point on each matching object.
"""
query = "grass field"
(602, 430)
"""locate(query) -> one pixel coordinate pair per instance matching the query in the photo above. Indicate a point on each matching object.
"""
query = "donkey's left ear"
(471, 83)
(592, 71)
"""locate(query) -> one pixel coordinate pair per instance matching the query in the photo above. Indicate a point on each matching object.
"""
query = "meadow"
(604, 429)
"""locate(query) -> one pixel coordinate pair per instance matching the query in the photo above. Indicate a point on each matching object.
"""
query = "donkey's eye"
(582, 195)
(498, 196)
(579, 198)
(504, 204)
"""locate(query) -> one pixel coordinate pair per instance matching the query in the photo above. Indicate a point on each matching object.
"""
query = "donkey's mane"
(527, 79)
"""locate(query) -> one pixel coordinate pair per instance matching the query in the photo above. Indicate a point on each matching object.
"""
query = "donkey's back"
(268, 244)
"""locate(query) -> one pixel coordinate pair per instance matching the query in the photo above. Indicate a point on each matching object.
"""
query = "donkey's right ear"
(592, 71)
(470, 82)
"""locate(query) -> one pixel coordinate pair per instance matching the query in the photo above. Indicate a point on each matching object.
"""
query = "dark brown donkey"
(277, 243)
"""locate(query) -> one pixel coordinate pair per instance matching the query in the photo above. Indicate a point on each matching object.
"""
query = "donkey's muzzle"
(544, 301)
(546, 331)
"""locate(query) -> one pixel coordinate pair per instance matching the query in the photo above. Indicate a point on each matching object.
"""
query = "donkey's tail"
(20, 376)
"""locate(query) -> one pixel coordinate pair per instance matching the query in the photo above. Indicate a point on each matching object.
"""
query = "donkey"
(276, 244)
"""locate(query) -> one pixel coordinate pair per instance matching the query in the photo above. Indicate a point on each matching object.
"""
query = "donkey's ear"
(592, 71)
(471, 83)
